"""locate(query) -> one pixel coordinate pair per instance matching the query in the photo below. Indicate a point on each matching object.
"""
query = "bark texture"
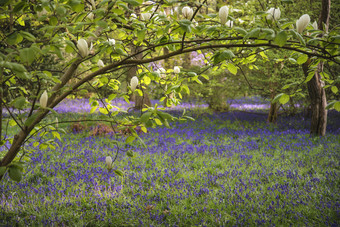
(315, 85)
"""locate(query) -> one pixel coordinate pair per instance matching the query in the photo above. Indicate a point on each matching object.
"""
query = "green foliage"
(39, 50)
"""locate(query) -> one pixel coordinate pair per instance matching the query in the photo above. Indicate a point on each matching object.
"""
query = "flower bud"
(100, 63)
(230, 23)
(90, 16)
(145, 16)
(223, 14)
(108, 161)
(134, 83)
(43, 99)
(302, 23)
(187, 12)
(177, 69)
(161, 72)
(273, 14)
(133, 15)
(111, 42)
(315, 25)
(83, 47)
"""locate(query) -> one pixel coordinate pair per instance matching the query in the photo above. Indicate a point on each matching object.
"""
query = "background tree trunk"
(315, 85)
(140, 101)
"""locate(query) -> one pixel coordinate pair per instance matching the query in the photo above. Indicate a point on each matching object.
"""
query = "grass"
(220, 170)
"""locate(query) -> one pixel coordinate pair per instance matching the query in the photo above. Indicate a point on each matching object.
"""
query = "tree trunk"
(318, 100)
(315, 85)
(272, 115)
(140, 102)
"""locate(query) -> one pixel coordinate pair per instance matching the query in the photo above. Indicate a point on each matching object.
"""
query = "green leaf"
(130, 139)
(164, 115)
(133, 2)
(118, 172)
(103, 110)
(145, 117)
(281, 38)
(120, 51)
(15, 173)
(141, 35)
(334, 89)
(284, 99)
(302, 59)
(276, 98)
(232, 68)
(27, 36)
(53, 21)
(28, 55)
(240, 30)
(129, 153)
(299, 37)
(253, 33)
(2, 170)
(337, 106)
(185, 25)
(19, 102)
(222, 56)
(30, 120)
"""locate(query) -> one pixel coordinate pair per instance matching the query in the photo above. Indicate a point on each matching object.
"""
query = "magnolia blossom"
(111, 42)
(230, 23)
(273, 14)
(177, 69)
(100, 63)
(83, 47)
(315, 25)
(223, 14)
(187, 12)
(162, 13)
(43, 99)
(302, 23)
(145, 16)
(134, 83)
(108, 161)
(90, 16)
(149, 3)
(161, 72)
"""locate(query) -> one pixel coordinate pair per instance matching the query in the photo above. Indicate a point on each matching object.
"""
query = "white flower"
(315, 25)
(302, 23)
(240, 20)
(149, 3)
(111, 42)
(145, 16)
(273, 14)
(134, 83)
(223, 14)
(83, 47)
(177, 69)
(108, 161)
(133, 16)
(187, 12)
(230, 23)
(43, 99)
(162, 13)
(90, 16)
(100, 63)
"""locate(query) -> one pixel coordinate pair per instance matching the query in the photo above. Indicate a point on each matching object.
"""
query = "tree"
(54, 46)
